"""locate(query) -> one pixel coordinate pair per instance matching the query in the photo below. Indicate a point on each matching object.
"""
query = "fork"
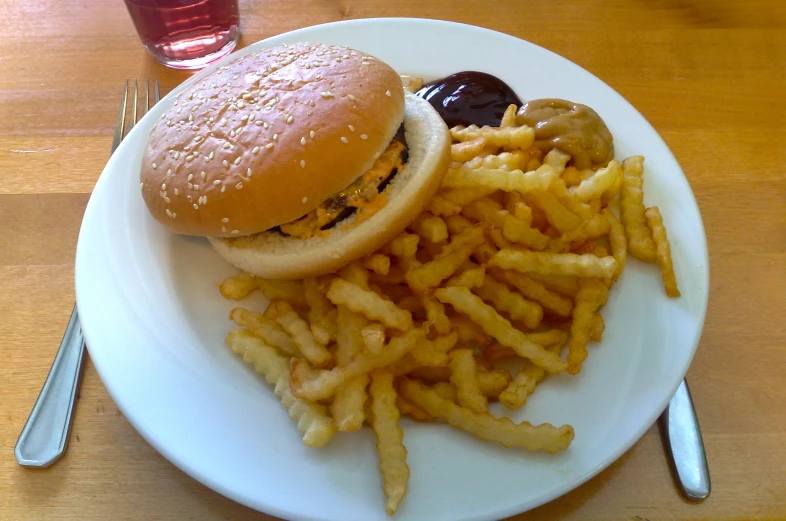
(44, 438)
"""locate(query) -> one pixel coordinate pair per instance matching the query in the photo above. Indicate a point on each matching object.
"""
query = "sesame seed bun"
(273, 255)
(269, 137)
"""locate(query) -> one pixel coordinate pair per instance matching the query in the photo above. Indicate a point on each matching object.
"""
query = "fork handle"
(682, 437)
(45, 435)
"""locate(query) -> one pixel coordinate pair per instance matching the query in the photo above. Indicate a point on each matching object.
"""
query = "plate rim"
(513, 509)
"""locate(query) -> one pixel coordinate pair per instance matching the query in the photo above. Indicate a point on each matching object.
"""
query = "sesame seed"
(251, 117)
(302, 163)
(212, 154)
(189, 158)
(154, 166)
(303, 141)
(191, 186)
(240, 104)
(226, 163)
(203, 175)
(244, 118)
(196, 187)
(326, 94)
(290, 119)
(351, 97)
(177, 154)
(249, 172)
(186, 148)
(198, 139)
(227, 145)
(169, 172)
(259, 124)
(264, 124)
(204, 199)
(237, 160)
(194, 127)
(169, 212)
(190, 177)
(235, 232)
(174, 214)
(224, 229)
(311, 103)
(167, 200)
(142, 186)
(344, 140)
(255, 151)
(304, 200)
(232, 133)
(275, 137)
(246, 95)
(196, 206)
(217, 182)
(363, 136)
(269, 146)
(312, 134)
(177, 192)
(163, 186)
(225, 220)
(387, 93)
(223, 189)
(239, 186)
(351, 128)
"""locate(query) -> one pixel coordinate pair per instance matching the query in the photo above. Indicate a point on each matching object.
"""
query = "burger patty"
(364, 194)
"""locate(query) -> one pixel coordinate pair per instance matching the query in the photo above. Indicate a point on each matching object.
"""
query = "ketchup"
(470, 97)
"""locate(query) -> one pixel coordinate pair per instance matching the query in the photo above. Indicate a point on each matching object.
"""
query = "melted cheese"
(362, 194)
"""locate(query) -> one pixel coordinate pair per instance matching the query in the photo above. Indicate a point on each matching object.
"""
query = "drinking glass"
(186, 34)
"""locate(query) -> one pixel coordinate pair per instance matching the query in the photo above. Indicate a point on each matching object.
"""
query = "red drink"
(186, 34)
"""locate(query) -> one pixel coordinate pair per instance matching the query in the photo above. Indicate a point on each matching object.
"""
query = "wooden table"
(710, 75)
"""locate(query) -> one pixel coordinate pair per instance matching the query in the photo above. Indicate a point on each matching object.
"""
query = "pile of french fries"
(513, 259)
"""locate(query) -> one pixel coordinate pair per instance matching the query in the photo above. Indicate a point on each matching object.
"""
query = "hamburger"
(295, 160)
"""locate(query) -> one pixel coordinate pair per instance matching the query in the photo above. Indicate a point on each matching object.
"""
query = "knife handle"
(45, 435)
(682, 437)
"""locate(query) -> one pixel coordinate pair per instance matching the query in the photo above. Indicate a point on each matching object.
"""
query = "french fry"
(466, 150)
(519, 231)
(557, 214)
(556, 159)
(321, 313)
(446, 390)
(567, 285)
(663, 251)
(506, 161)
(523, 384)
(435, 314)
(485, 210)
(536, 291)
(373, 336)
(487, 427)
(640, 243)
(288, 319)
(501, 179)
(515, 205)
(355, 273)
(430, 227)
(469, 332)
(312, 419)
(442, 206)
(596, 226)
(408, 408)
(457, 224)
(463, 375)
(348, 404)
(369, 304)
(571, 176)
(596, 185)
(510, 302)
(239, 286)
(396, 274)
(266, 329)
(390, 446)
(498, 327)
(459, 249)
(426, 354)
(314, 385)
(598, 327)
(592, 294)
(508, 137)
(569, 200)
(492, 383)
(619, 243)
(546, 339)
(471, 277)
(411, 303)
(554, 263)
(377, 262)
(404, 245)
(464, 196)
(509, 117)
(290, 291)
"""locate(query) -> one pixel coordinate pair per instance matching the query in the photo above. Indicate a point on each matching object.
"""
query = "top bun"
(267, 138)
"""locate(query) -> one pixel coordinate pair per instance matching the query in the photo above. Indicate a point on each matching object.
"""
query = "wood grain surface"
(710, 75)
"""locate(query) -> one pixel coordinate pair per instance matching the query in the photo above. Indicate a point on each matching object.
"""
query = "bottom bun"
(275, 256)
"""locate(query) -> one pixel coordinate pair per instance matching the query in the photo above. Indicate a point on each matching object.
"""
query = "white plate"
(155, 325)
